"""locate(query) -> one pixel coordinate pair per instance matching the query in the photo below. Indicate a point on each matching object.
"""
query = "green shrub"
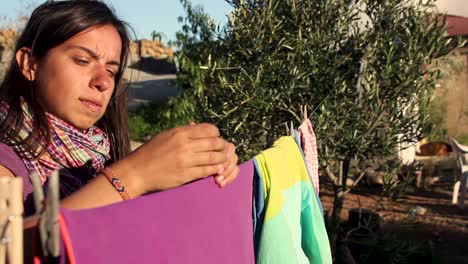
(139, 127)
(463, 139)
(152, 118)
(391, 250)
(435, 127)
(398, 178)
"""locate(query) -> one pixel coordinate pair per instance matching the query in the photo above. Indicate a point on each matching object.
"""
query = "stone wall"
(138, 49)
(8, 38)
(149, 49)
(150, 52)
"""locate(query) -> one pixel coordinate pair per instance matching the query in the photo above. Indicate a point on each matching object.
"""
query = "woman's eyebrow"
(93, 54)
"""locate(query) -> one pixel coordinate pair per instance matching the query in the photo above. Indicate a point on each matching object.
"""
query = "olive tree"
(364, 68)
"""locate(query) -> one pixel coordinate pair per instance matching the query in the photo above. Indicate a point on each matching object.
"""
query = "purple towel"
(195, 223)
(11, 160)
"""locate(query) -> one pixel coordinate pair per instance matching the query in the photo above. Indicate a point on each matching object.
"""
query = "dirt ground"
(419, 215)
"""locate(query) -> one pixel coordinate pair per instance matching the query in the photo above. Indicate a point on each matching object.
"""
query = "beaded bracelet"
(109, 174)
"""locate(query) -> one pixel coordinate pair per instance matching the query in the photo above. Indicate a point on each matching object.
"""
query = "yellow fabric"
(284, 158)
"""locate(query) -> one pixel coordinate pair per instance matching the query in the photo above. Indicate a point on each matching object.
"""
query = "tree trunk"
(340, 191)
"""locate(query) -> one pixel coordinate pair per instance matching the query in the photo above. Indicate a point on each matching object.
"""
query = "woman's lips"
(93, 105)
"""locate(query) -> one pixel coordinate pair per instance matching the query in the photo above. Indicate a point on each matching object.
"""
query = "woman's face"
(76, 79)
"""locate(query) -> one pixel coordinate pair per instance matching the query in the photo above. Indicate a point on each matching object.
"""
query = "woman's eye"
(111, 73)
(81, 61)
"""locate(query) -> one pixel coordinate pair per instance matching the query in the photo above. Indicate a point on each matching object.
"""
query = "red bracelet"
(109, 174)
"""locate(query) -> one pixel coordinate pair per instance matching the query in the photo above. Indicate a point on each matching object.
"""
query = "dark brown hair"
(51, 24)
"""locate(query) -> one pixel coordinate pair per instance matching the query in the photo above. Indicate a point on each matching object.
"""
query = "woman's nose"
(101, 79)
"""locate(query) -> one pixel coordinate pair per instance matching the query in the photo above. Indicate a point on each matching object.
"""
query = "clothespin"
(291, 130)
(304, 112)
(287, 128)
(11, 220)
(38, 192)
(51, 221)
(47, 210)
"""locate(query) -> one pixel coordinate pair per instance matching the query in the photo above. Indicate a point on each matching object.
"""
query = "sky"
(143, 15)
(161, 15)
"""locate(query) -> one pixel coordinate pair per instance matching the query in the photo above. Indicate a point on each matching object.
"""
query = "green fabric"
(293, 228)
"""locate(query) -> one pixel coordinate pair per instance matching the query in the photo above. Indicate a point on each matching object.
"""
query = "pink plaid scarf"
(78, 155)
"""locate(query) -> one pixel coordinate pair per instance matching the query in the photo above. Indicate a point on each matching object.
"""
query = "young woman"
(63, 107)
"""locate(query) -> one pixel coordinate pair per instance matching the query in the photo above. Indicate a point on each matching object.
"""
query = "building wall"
(456, 89)
(456, 86)
(453, 7)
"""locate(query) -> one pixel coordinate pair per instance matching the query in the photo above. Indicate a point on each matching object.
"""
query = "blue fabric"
(258, 207)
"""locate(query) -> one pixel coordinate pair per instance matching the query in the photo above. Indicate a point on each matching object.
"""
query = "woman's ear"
(26, 63)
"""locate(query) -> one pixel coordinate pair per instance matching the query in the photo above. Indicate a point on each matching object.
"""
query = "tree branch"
(329, 173)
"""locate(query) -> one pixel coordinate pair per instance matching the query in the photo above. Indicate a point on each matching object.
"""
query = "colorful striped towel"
(292, 229)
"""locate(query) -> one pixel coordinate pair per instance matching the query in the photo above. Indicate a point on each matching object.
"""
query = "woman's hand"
(170, 159)
(230, 168)
(180, 155)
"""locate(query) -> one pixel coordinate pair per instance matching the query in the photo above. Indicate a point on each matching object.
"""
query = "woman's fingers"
(228, 175)
(180, 155)
(230, 167)
(201, 172)
(205, 158)
(207, 144)
(231, 176)
(204, 130)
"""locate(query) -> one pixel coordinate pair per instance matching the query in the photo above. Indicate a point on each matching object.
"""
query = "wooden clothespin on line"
(291, 129)
(11, 220)
(304, 112)
(47, 213)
